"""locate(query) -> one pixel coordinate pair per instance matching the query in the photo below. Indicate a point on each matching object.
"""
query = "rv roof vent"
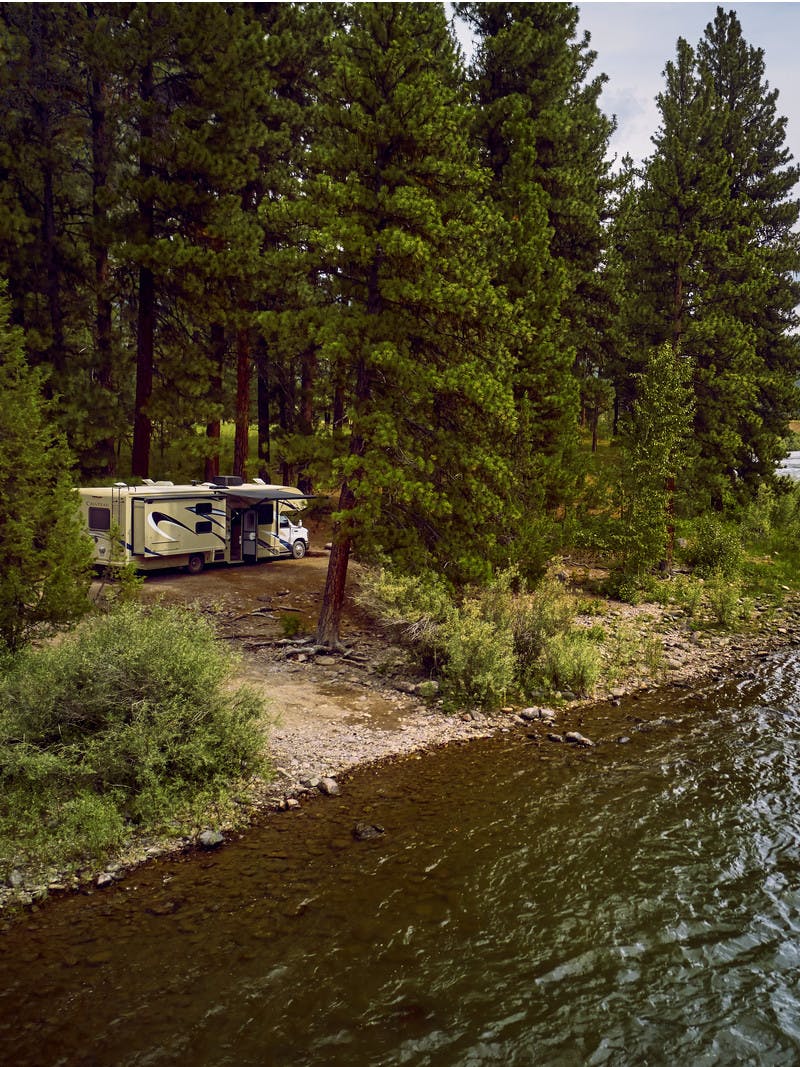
(148, 481)
(259, 481)
(228, 481)
(165, 483)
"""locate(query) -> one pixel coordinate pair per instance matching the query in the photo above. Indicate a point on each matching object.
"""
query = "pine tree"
(762, 181)
(708, 270)
(194, 237)
(416, 335)
(654, 436)
(545, 140)
(44, 573)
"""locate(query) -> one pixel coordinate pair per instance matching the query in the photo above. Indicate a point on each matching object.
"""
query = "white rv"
(158, 524)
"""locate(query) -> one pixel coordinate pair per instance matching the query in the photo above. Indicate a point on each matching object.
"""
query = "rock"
(292, 803)
(623, 740)
(574, 738)
(15, 879)
(365, 831)
(209, 839)
(326, 661)
(406, 687)
(104, 880)
(531, 714)
(329, 786)
(557, 738)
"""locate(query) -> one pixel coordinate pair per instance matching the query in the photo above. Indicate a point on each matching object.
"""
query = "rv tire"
(299, 549)
(195, 564)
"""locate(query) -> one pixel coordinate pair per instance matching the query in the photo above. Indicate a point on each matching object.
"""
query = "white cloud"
(634, 42)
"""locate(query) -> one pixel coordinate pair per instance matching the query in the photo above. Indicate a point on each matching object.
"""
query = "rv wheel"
(196, 564)
(299, 549)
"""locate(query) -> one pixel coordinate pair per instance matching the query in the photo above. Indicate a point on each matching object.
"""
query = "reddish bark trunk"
(330, 615)
(101, 157)
(213, 428)
(243, 369)
(263, 409)
(142, 425)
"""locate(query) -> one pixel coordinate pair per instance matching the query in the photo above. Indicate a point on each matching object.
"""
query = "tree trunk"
(52, 273)
(287, 413)
(305, 422)
(243, 367)
(213, 428)
(330, 615)
(333, 598)
(262, 369)
(101, 162)
(142, 425)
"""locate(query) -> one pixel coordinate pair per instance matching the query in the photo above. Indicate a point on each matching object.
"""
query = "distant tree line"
(417, 277)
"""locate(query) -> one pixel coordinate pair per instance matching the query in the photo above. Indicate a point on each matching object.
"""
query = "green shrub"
(135, 711)
(416, 606)
(715, 547)
(293, 625)
(571, 661)
(728, 607)
(479, 666)
(687, 593)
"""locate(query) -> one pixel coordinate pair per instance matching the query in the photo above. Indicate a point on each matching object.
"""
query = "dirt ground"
(259, 606)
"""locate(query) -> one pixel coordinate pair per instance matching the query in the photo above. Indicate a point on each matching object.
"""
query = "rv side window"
(99, 518)
(265, 515)
(204, 508)
(202, 527)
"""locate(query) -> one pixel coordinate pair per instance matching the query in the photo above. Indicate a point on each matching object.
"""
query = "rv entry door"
(250, 535)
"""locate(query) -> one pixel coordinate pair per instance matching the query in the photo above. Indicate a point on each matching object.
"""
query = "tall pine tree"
(709, 256)
(544, 138)
(45, 557)
(416, 336)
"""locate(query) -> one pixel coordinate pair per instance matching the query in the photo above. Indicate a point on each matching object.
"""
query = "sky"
(634, 41)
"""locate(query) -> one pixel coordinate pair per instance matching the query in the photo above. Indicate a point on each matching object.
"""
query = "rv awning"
(250, 496)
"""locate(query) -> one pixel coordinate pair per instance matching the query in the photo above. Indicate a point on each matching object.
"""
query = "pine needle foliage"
(44, 553)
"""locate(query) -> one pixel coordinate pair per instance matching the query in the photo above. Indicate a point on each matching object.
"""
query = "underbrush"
(492, 645)
(128, 724)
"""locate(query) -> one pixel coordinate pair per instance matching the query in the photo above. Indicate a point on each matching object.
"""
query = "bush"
(536, 619)
(415, 606)
(729, 608)
(687, 593)
(571, 661)
(480, 666)
(715, 548)
(125, 721)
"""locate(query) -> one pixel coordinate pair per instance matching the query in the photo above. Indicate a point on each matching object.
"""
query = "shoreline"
(363, 719)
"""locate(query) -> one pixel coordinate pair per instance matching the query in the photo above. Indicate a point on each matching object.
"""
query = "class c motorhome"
(158, 524)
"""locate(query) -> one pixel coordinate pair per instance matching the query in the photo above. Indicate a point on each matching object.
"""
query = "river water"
(528, 903)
